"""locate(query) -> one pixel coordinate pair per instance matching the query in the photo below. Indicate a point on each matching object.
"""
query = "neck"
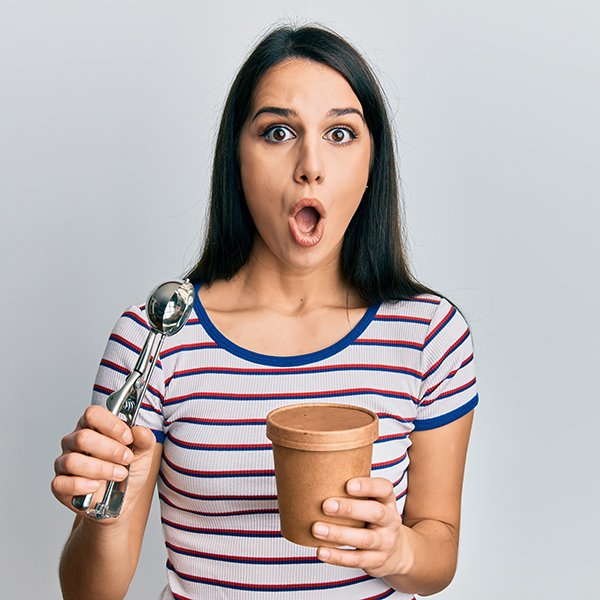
(262, 283)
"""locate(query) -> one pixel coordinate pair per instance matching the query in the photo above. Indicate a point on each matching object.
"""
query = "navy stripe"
(219, 422)
(449, 376)
(281, 361)
(295, 371)
(388, 463)
(450, 393)
(291, 397)
(439, 327)
(218, 447)
(391, 343)
(283, 587)
(455, 346)
(217, 498)
(137, 319)
(226, 532)
(219, 474)
(230, 513)
(283, 560)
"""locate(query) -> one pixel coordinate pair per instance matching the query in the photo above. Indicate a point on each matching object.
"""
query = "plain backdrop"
(108, 114)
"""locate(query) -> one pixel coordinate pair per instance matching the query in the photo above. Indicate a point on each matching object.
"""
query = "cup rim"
(318, 441)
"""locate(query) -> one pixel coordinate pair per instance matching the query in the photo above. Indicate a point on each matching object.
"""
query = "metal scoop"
(168, 308)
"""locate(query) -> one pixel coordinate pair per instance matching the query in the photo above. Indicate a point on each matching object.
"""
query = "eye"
(341, 135)
(276, 134)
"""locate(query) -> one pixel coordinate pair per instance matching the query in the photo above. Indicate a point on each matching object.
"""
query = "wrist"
(406, 552)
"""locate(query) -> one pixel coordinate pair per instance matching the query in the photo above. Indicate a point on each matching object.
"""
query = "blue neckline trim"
(280, 361)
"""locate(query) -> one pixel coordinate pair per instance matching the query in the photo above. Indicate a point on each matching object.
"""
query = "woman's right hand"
(96, 452)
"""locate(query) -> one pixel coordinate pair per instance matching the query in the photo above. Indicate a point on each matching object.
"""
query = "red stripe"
(231, 513)
(449, 376)
(200, 346)
(102, 389)
(452, 348)
(385, 594)
(194, 472)
(136, 318)
(449, 393)
(218, 446)
(393, 436)
(274, 587)
(440, 325)
(401, 494)
(388, 463)
(293, 395)
(202, 421)
(293, 370)
(400, 418)
(244, 559)
(113, 365)
(119, 338)
(220, 531)
(220, 498)
(407, 343)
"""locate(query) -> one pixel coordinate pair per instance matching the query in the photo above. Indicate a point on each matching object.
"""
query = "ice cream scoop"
(168, 308)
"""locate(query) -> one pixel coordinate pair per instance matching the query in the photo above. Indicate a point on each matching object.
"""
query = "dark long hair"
(373, 259)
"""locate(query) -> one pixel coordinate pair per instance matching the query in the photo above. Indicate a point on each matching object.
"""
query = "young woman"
(303, 294)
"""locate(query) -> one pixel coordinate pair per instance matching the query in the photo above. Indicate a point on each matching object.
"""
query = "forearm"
(433, 557)
(98, 561)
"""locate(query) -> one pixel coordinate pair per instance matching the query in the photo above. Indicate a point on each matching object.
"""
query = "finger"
(89, 467)
(93, 443)
(372, 487)
(64, 488)
(371, 511)
(358, 559)
(102, 420)
(362, 538)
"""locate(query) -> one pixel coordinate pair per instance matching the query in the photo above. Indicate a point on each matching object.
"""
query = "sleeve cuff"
(424, 424)
(159, 435)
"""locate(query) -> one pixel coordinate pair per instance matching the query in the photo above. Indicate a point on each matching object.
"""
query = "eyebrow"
(289, 112)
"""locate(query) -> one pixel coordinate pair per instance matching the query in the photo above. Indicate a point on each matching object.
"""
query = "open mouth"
(307, 222)
(307, 219)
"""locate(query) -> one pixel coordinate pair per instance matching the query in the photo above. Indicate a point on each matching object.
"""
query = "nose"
(309, 164)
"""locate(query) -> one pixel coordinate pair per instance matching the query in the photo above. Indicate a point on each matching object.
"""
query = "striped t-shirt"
(411, 362)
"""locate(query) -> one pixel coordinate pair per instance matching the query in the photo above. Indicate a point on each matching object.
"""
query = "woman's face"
(304, 159)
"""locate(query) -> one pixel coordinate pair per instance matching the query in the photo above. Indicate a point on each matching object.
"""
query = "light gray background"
(108, 112)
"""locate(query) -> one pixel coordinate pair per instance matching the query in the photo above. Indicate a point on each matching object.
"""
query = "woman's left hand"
(382, 547)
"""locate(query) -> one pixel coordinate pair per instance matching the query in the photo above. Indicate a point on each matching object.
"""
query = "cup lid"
(322, 427)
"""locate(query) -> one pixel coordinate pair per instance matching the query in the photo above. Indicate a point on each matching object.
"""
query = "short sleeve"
(449, 388)
(122, 350)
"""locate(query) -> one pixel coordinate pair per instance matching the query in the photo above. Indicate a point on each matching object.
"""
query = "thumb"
(143, 439)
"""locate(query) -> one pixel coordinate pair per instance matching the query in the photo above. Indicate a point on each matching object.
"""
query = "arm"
(417, 553)
(100, 557)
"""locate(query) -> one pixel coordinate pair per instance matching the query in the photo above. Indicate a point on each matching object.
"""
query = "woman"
(303, 293)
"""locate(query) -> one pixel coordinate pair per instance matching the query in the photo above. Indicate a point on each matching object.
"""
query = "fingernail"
(321, 530)
(331, 506)
(324, 553)
(127, 456)
(119, 472)
(353, 486)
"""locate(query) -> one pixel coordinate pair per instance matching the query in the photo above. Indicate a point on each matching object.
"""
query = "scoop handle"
(127, 394)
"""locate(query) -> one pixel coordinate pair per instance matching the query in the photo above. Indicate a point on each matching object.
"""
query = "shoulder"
(422, 307)
(132, 324)
(434, 321)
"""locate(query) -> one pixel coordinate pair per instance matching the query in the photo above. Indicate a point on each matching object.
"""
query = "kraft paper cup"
(317, 448)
